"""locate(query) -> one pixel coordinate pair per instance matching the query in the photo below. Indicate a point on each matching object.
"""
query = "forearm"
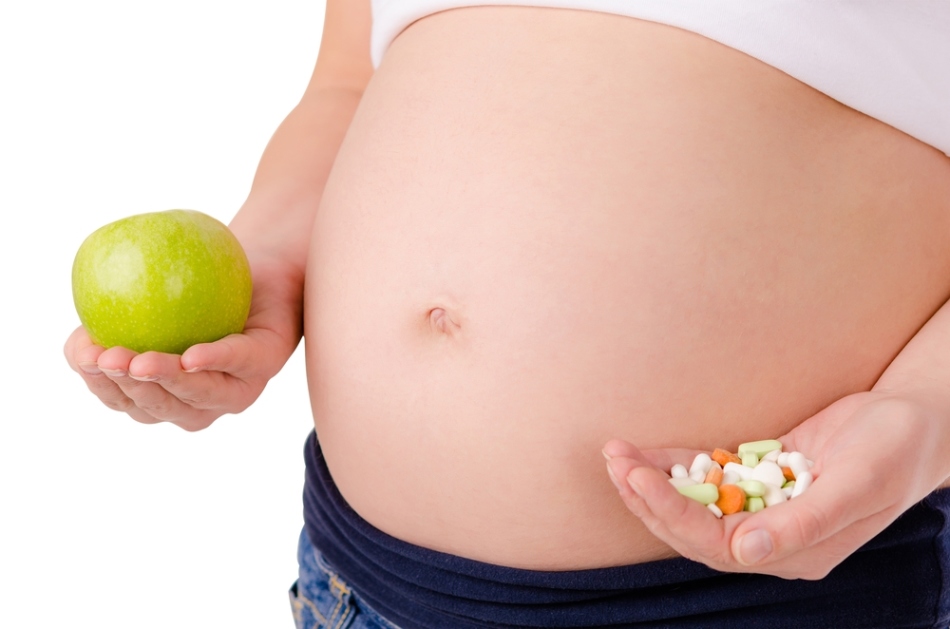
(276, 219)
(922, 371)
(275, 222)
(924, 363)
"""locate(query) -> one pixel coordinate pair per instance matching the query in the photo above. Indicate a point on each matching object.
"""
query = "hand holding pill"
(842, 501)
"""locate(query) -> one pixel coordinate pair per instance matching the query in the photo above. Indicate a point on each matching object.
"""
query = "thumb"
(229, 355)
(835, 501)
(849, 490)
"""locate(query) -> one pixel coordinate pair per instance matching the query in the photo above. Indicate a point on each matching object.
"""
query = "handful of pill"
(760, 475)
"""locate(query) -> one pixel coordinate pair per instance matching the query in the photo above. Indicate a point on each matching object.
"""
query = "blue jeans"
(320, 599)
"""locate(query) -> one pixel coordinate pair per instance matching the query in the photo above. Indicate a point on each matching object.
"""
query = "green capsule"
(760, 448)
(706, 493)
(754, 504)
(752, 488)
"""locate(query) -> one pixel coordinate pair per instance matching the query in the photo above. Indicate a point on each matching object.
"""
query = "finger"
(194, 389)
(618, 468)
(82, 353)
(232, 354)
(232, 371)
(835, 501)
(699, 536)
(114, 362)
(154, 366)
(210, 390)
(213, 390)
(152, 402)
(849, 501)
(143, 379)
(83, 356)
(686, 525)
(112, 383)
(818, 560)
(165, 371)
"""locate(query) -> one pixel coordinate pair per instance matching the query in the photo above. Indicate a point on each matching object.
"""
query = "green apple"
(161, 281)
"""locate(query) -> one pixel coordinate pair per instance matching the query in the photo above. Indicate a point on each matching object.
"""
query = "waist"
(907, 566)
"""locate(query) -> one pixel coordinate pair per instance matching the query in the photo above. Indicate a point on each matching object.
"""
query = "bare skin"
(526, 251)
(522, 256)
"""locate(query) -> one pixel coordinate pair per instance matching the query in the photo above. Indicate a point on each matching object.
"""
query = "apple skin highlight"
(161, 281)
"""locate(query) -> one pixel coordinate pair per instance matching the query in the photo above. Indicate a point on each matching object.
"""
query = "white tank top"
(889, 59)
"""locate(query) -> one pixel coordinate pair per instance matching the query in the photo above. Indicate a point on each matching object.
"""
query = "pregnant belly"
(527, 249)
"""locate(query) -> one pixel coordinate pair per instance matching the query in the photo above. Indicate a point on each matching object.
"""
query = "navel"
(442, 321)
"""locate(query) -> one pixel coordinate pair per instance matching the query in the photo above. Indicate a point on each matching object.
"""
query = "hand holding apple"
(208, 379)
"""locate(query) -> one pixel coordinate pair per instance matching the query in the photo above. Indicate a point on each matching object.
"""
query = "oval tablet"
(705, 493)
(760, 448)
(769, 473)
(752, 488)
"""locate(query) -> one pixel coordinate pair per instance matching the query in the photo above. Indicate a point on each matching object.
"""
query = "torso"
(595, 227)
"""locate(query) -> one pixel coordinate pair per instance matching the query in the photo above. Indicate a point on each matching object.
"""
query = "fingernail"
(634, 487)
(114, 373)
(606, 456)
(144, 378)
(613, 478)
(753, 547)
(91, 368)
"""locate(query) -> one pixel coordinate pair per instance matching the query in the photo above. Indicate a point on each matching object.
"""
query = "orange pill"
(731, 499)
(788, 473)
(714, 475)
(722, 457)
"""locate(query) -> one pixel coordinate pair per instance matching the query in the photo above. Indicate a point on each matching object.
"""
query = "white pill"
(788, 489)
(698, 475)
(745, 473)
(716, 510)
(802, 482)
(729, 477)
(682, 481)
(772, 456)
(769, 473)
(773, 495)
(782, 459)
(798, 463)
(701, 463)
(679, 471)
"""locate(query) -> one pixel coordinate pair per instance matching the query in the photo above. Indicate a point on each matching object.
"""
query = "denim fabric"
(320, 599)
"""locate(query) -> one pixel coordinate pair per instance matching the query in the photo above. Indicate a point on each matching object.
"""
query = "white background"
(109, 109)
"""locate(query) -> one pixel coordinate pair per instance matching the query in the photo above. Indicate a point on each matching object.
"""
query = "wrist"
(275, 229)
